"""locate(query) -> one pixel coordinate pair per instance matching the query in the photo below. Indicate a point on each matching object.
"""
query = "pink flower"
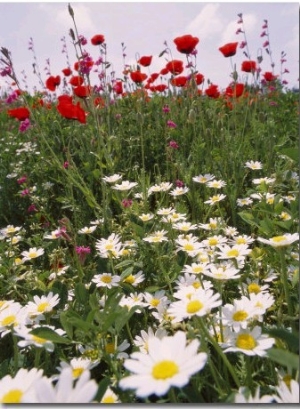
(82, 252)
(126, 202)
(173, 144)
(171, 124)
(22, 180)
(179, 183)
(66, 164)
(266, 43)
(166, 108)
(32, 208)
(24, 125)
(25, 192)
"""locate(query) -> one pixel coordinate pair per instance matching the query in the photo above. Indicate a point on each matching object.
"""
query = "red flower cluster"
(98, 39)
(186, 44)
(269, 76)
(20, 113)
(235, 90)
(138, 76)
(69, 110)
(212, 91)
(248, 66)
(175, 67)
(52, 82)
(229, 49)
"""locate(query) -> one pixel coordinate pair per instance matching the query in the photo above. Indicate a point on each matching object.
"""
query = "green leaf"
(50, 335)
(292, 153)
(290, 339)
(62, 290)
(103, 385)
(81, 293)
(66, 324)
(284, 358)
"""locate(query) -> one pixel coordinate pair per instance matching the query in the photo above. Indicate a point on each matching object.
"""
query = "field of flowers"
(149, 231)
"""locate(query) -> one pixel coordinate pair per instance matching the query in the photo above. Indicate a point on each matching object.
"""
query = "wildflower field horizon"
(149, 230)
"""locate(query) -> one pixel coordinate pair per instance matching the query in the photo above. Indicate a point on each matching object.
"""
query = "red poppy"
(164, 71)
(153, 77)
(99, 102)
(52, 82)
(175, 67)
(179, 81)
(248, 66)
(145, 61)
(199, 78)
(268, 76)
(67, 72)
(76, 80)
(229, 49)
(118, 87)
(76, 66)
(72, 111)
(212, 91)
(186, 44)
(82, 91)
(21, 113)
(65, 99)
(235, 90)
(138, 76)
(98, 39)
(160, 87)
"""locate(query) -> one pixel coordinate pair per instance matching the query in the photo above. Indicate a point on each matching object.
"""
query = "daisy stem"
(284, 281)
(220, 352)
(16, 353)
(249, 373)
(37, 357)
(172, 396)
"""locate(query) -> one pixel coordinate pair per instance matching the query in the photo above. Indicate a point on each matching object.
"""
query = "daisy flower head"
(11, 317)
(178, 191)
(287, 394)
(170, 362)
(110, 247)
(125, 185)
(203, 178)
(66, 390)
(237, 252)
(213, 241)
(41, 305)
(112, 348)
(157, 237)
(189, 244)
(156, 300)
(135, 279)
(32, 253)
(184, 226)
(266, 180)
(216, 184)
(241, 239)
(246, 201)
(249, 342)
(261, 302)
(33, 340)
(223, 271)
(238, 314)
(213, 224)
(112, 179)
(133, 300)
(215, 199)
(174, 217)
(142, 341)
(199, 302)
(165, 211)
(87, 230)
(106, 280)
(280, 241)
(254, 165)
(195, 268)
(145, 217)
(21, 388)
(78, 366)
(110, 397)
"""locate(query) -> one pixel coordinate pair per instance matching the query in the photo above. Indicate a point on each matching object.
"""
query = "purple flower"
(173, 144)
(171, 124)
(166, 108)
(32, 208)
(179, 183)
(22, 180)
(24, 125)
(126, 202)
(82, 252)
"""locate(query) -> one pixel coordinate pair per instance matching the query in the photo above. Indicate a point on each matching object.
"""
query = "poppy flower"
(268, 76)
(229, 49)
(179, 81)
(82, 91)
(160, 87)
(153, 77)
(175, 67)
(118, 87)
(67, 72)
(99, 102)
(186, 44)
(235, 90)
(98, 39)
(212, 91)
(72, 111)
(65, 99)
(52, 82)
(76, 80)
(138, 76)
(199, 78)
(145, 61)
(164, 71)
(248, 66)
(21, 113)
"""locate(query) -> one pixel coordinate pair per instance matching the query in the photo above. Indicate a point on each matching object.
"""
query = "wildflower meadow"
(149, 228)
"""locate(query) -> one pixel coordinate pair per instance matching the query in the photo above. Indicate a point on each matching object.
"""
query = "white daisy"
(87, 230)
(110, 397)
(32, 253)
(156, 300)
(246, 201)
(238, 314)
(78, 366)
(41, 305)
(244, 396)
(287, 394)
(203, 178)
(134, 279)
(142, 341)
(223, 271)
(254, 165)
(280, 241)
(145, 217)
(125, 185)
(112, 179)
(171, 361)
(21, 388)
(178, 191)
(156, 237)
(216, 184)
(106, 280)
(215, 199)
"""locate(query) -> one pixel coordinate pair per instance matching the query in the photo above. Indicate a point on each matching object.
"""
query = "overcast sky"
(144, 27)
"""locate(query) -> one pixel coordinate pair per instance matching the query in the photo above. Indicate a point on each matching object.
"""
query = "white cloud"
(206, 23)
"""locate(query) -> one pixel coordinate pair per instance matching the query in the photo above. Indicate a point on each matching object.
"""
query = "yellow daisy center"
(233, 253)
(245, 341)
(108, 399)
(9, 320)
(240, 240)
(278, 239)
(287, 380)
(130, 279)
(165, 369)
(196, 284)
(13, 396)
(43, 306)
(77, 372)
(254, 288)
(212, 241)
(110, 348)
(33, 254)
(194, 306)
(240, 315)
(38, 340)
(154, 302)
(109, 246)
(106, 279)
(188, 247)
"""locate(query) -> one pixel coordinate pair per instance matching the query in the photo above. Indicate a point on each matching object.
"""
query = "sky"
(144, 27)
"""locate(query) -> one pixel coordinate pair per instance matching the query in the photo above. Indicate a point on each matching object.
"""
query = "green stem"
(284, 281)
(220, 352)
